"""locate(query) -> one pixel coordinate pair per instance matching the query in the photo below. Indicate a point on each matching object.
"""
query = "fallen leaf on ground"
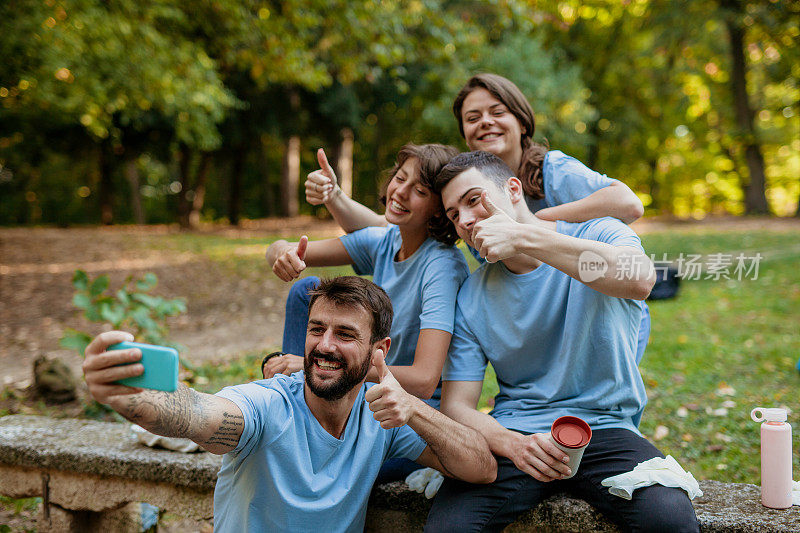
(723, 437)
(723, 389)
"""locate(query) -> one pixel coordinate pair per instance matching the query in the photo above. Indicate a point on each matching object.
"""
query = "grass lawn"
(718, 350)
(724, 345)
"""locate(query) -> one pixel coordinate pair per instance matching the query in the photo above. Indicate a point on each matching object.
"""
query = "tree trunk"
(344, 162)
(755, 192)
(655, 188)
(593, 155)
(797, 212)
(235, 191)
(598, 68)
(199, 190)
(267, 196)
(132, 175)
(290, 178)
(106, 186)
(184, 165)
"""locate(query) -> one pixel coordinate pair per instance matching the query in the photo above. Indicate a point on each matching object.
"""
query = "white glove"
(425, 480)
(666, 472)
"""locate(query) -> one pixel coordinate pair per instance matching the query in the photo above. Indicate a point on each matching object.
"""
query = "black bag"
(667, 282)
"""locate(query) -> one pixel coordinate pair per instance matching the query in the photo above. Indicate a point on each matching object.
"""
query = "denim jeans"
(296, 321)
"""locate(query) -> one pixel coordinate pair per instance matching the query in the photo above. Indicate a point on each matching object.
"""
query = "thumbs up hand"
(379, 362)
(321, 185)
(390, 404)
(495, 237)
(291, 262)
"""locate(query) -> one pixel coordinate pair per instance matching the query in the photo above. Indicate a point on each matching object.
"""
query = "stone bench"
(91, 474)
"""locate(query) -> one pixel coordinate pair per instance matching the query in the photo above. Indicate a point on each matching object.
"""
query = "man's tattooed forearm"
(183, 413)
(173, 414)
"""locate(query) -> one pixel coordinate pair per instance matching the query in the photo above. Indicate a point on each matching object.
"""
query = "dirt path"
(227, 315)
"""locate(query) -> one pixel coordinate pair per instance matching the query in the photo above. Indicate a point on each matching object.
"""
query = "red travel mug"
(571, 435)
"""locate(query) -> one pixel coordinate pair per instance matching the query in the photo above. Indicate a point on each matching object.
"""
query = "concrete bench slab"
(87, 470)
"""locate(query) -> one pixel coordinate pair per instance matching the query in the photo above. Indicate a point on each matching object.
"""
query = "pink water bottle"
(776, 457)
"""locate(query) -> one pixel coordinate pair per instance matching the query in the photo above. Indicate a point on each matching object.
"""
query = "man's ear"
(382, 344)
(514, 190)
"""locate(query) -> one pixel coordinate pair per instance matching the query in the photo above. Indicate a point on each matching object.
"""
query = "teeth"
(399, 207)
(490, 136)
(326, 365)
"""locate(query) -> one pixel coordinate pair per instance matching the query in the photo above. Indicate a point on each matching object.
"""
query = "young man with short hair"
(302, 451)
(556, 310)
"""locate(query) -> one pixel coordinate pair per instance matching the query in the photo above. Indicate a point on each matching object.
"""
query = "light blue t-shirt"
(557, 346)
(423, 288)
(289, 474)
(565, 180)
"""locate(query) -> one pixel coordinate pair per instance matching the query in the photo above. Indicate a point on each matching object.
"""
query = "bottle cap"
(768, 414)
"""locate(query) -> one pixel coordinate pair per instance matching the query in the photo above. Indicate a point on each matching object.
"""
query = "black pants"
(461, 506)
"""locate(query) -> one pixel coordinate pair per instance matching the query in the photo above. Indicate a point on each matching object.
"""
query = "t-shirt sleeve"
(406, 443)
(266, 414)
(611, 231)
(566, 179)
(465, 359)
(442, 279)
(362, 246)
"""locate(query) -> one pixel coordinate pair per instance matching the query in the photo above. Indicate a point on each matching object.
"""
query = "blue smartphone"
(160, 366)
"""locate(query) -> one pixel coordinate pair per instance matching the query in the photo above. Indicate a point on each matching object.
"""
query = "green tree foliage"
(115, 65)
(190, 105)
(660, 76)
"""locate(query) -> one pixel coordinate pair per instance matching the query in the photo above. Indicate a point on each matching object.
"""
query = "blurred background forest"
(161, 111)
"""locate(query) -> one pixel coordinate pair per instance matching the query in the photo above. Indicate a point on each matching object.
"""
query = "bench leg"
(126, 519)
(53, 518)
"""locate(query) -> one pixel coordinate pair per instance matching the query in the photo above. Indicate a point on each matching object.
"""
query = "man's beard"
(335, 390)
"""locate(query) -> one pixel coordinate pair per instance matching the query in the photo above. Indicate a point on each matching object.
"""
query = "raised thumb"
(322, 159)
(488, 204)
(301, 247)
(379, 361)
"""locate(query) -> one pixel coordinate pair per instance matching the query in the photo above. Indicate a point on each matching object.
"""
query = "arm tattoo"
(229, 430)
(182, 413)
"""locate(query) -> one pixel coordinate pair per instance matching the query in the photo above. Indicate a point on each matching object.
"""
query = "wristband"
(267, 358)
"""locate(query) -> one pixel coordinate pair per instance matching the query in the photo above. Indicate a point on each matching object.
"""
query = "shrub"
(131, 308)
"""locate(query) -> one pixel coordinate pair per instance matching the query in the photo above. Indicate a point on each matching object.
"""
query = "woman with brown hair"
(493, 115)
